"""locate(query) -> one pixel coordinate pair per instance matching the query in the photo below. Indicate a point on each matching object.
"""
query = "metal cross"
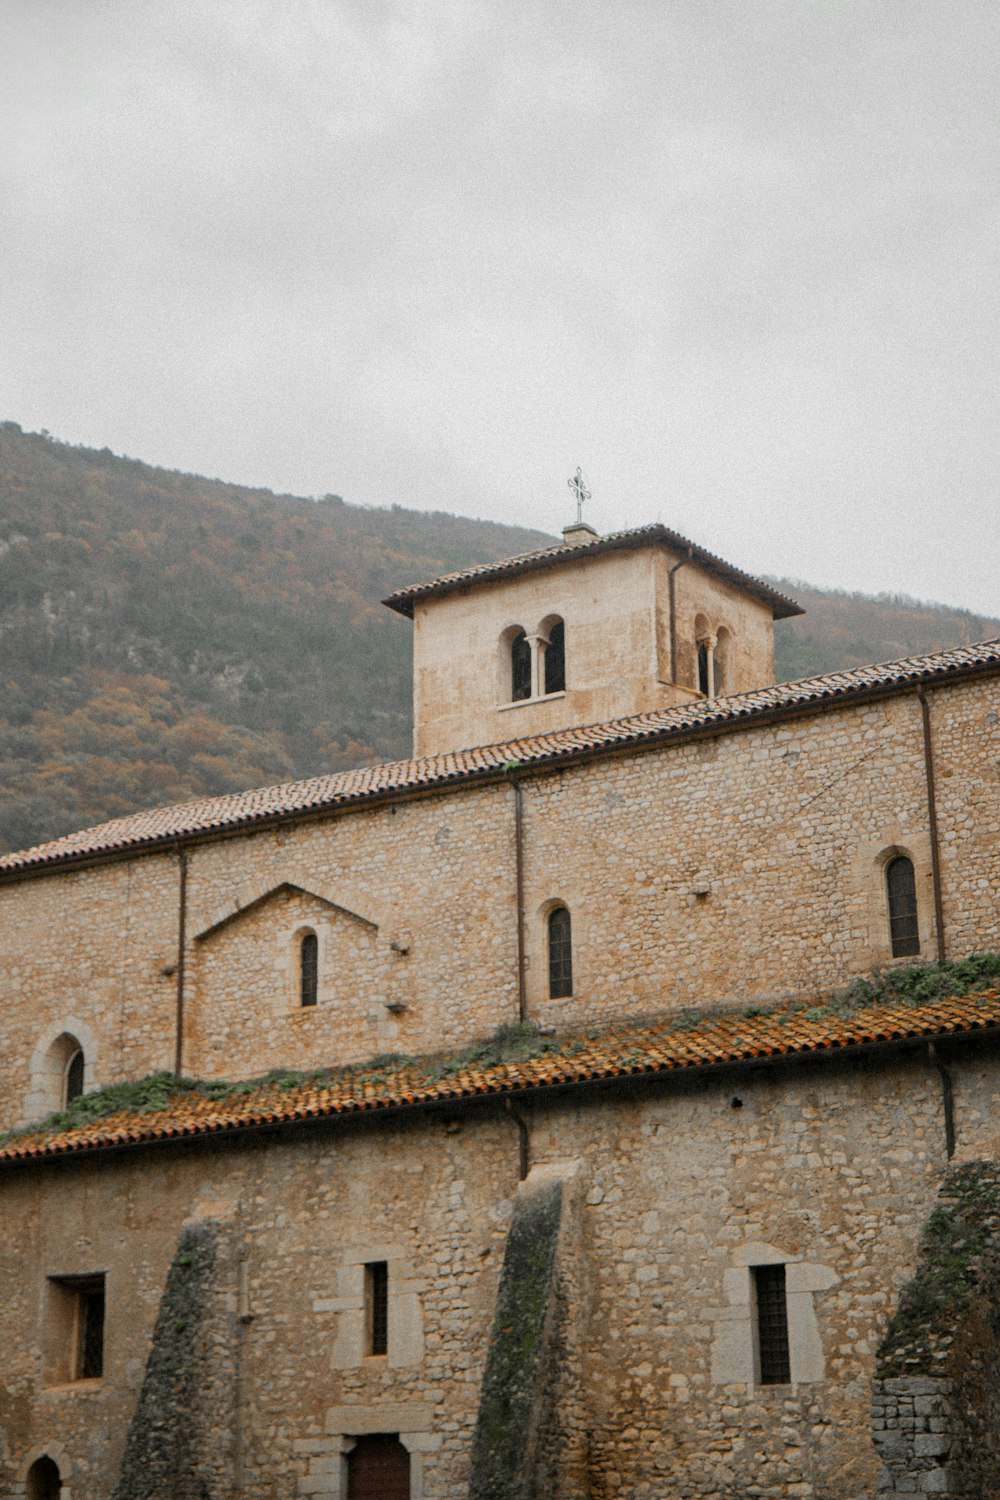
(579, 487)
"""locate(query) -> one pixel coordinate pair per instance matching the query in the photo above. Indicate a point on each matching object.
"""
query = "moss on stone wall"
(518, 1380)
(959, 1258)
(165, 1457)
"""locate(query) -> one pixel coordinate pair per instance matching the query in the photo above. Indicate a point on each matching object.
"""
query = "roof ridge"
(162, 825)
(403, 599)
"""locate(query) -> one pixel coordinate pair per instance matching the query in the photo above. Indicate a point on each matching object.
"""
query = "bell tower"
(591, 629)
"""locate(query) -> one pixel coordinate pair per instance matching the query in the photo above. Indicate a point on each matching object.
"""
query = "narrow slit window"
(377, 1306)
(520, 667)
(773, 1363)
(560, 954)
(555, 659)
(901, 889)
(309, 969)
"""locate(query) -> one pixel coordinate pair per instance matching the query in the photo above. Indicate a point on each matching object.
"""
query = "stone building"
(518, 1120)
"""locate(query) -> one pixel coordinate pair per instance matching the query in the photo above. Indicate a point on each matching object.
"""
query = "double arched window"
(308, 969)
(901, 895)
(713, 657)
(534, 666)
(560, 938)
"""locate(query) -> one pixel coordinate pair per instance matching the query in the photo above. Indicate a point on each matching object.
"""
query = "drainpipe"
(522, 1002)
(181, 947)
(947, 1097)
(672, 597)
(925, 716)
(524, 1140)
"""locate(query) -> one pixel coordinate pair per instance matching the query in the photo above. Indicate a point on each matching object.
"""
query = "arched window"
(555, 659)
(44, 1482)
(703, 668)
(378, 1468)
(560, 954)
(308, 969)
(901, 891)
(520, 667)
(73, 1077)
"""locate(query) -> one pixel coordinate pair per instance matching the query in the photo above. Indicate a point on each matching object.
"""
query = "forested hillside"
(164, 636)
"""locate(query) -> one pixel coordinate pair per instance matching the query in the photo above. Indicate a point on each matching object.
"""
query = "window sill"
(503, 708)
(91, 1383)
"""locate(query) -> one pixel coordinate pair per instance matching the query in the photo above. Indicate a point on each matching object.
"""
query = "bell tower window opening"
(520, 667)
(560, 954)
(555, 659)
(901, 891)
(309, 969)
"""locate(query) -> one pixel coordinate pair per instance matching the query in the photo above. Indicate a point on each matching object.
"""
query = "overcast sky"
(737, 258)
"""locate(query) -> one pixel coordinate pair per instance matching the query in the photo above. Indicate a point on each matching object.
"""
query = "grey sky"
(739, 260)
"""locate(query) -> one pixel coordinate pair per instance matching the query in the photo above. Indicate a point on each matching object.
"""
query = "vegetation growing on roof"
(512, 1043)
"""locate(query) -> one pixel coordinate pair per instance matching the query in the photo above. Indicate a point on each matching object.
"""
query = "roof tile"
(670, 1045)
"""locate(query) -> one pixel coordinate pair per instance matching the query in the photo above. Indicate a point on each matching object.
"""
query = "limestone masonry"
(611, 1190)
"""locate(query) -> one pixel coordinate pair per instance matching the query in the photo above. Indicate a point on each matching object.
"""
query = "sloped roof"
(403, 600)
(243, 810)
(675, 1045)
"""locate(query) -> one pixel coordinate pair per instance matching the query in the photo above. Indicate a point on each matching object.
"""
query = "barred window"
(773, 1363)
(901, 890)
(377, 1306)
(560, 954)
(309, 969)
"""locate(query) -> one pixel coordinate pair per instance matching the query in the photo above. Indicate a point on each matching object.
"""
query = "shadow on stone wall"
(936, 1393)
(182, 1438)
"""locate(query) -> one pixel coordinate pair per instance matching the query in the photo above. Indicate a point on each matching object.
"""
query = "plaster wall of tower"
(616, 612)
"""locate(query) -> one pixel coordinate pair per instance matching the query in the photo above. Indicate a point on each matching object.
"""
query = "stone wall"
(734, 869)
(935, 1399)
(830, 1170)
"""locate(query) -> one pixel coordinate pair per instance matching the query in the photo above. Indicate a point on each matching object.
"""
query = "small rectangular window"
(773, 1363)
(377, 1306)
(74, 1335)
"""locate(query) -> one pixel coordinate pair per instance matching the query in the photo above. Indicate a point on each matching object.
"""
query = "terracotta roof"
(674, 1045)
(166, 825)
(403, 600)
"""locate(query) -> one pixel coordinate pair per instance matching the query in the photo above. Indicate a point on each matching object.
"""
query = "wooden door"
(378, 1468)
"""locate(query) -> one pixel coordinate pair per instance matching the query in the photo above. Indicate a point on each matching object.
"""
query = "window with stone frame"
(772, 1359)
(377, 1307)
(74, 1335)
